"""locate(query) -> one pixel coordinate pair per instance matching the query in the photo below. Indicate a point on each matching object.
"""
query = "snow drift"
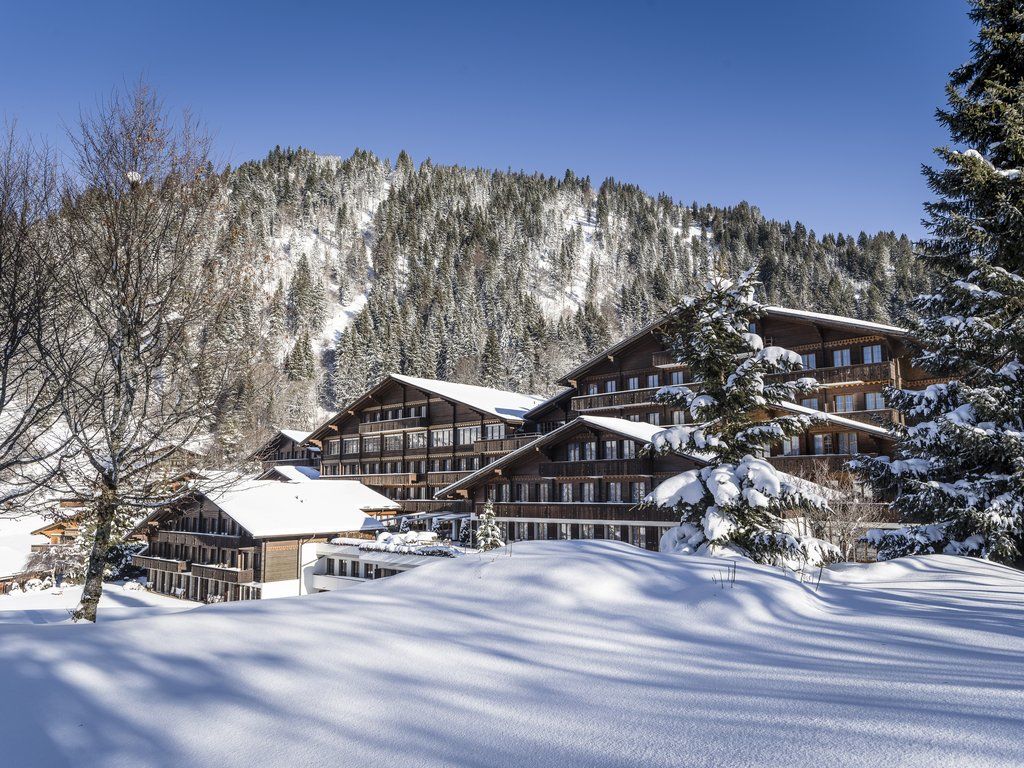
(583, 653)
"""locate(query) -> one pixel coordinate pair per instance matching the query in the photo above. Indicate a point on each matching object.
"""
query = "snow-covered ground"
(50, 606)
(581, 653)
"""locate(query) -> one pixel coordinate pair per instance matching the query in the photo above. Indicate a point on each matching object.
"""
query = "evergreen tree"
(960, 465)
(488, 535)
(737, 501)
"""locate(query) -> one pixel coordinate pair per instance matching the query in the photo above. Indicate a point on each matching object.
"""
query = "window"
(417, 440)
(874, 401)
(848, 442)
(565, 530)
(822, 444)
(589, 451)
(494, 431)
(440, 437)
(637, 491)
(522, 492)
(634, 417)
(544, 492)
(810, 402)
(469, 435)
(809, 360)
(521, 531)
(653, 380)
(350, 445)
(791, 446)
(504, 491)
(572, 452)
(873, 353)
(592, 388)
(654, 418)
(393, 442)
(540, 531)
(611, 449)
(371, 444)
(588, 492)
(844, 403)
(609, 386)
(613, 532)
(840, 357)
(633, 382)
(628, 449)
(678, 417)
(587, 531)
(565, 492)
(614, 491)
(677, 378)
(332, 446)
(330, 567)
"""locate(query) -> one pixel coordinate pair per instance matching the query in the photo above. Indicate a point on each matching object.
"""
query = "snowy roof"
(511, 406)
(632, 430)
(770, 311)
(839, 421)
(16, 540)
(291, 473)
(544, 404)
(273, 508)
(294, 435)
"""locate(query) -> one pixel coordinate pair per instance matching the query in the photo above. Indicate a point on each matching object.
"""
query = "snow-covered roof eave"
(841, 421)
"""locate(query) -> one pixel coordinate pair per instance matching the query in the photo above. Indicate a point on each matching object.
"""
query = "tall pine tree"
(738, 501)
(960, 466)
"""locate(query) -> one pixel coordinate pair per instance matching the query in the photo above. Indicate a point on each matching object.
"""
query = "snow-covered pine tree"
(960, 465)
(737, 502)
(488, 535)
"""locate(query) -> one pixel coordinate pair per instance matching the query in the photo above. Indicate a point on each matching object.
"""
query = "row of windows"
(438, 438)
(643, 536)
(869, 353)
(868, 401)
(591, 450)
(821, 445)
(391, 414)
(592, 491)
(463, 464)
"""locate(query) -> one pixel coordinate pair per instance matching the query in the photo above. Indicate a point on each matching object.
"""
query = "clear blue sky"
(816, 110)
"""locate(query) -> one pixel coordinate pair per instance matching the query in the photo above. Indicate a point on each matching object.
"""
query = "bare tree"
(30, 444)
(844, 521)
(139, 357)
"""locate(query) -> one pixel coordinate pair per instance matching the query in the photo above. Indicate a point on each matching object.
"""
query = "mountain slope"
(360, 268)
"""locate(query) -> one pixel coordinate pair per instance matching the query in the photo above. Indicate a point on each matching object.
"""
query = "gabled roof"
(508, 406)
(272, 508)
(640, 431)
(819, 318)
(565, 394)
(295, 435)
(839, 421)
(291, 473)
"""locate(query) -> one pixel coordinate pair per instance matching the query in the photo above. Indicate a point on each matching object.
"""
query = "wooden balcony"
(223, 573)
(579, 511)
(804, 465)
(441, 479)
(884, 417)
(614, 399)
(392, 425)
(845, 374)
(503, 445)
(195, 539)
(665, 359)
(601, 468)
(389, 480)
(159, 563)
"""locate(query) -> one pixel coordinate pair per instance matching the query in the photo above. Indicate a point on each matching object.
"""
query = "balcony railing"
(600, 468)
(159, 563)
(882, 416)
(613, 399)
(580, 511)
(387, 480)
(503, 445)
(196, 539)
(664, 359)
(845, 374)
(223, 573)
(391, 425)
(441, 479)
(807, 464)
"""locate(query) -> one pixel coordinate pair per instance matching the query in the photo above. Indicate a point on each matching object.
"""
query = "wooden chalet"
(287, 447)
(409, 437)
(245, 541)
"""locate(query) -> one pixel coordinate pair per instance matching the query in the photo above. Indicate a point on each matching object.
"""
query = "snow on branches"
(738, 501)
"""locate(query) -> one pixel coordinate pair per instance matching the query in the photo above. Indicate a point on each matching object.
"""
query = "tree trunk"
(93, 589)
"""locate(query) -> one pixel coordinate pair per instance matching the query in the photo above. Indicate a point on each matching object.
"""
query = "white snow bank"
(580, 653)
(119, 601)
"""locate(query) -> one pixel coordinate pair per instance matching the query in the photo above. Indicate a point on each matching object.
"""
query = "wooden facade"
(287, 447)
(407, 442)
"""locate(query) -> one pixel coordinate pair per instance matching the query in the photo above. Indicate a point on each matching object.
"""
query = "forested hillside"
(360, 267)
